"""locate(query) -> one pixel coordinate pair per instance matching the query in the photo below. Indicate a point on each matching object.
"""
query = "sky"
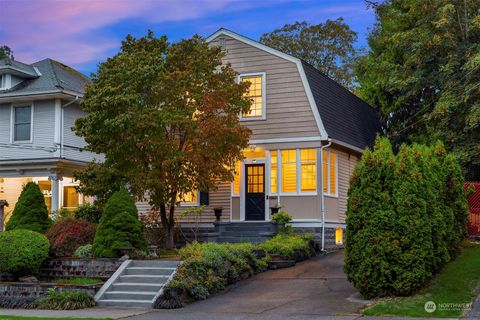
(83, 33)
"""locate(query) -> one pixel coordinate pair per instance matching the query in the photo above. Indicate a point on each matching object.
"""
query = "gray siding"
(43, 132)
(288, 112)
(70, 140)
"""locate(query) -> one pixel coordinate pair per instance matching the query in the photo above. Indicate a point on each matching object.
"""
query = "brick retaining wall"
(34, 290)
(63, 268)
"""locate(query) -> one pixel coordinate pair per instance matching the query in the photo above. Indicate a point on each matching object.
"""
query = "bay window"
(289, 171)
(308, 165)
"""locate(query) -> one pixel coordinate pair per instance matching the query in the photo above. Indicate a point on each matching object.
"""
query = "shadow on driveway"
(313, 288)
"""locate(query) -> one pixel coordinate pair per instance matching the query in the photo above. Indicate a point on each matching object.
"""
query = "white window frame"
(5, 81)
(192, 204)
(328, 193)
(264, 95)
(298, 170)
(240, 176)
(12, 121)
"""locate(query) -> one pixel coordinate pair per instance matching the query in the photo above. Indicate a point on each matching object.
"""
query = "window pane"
(325, 171)
(236, 179)
(273, 178)
(23, 114)
(273, 156)
(307, 155)
(22, 132)
(70, 197)
(289, 177)
(309, 177)
(255, 94)
(333, 173)
(190, 197)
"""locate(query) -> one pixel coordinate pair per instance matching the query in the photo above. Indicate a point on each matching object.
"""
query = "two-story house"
(39, 103)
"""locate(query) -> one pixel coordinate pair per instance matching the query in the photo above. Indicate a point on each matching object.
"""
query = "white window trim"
(298, 169)
(327, 193)
(264, 95)
(6, 80)
(192, 204)
(12, 122)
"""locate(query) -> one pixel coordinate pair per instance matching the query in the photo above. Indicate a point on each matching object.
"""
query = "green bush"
(406, 217)
(288, 246)
(89, 212)
(282, 218)
(22, 252)
(64, 300)
(119, 227)
(84, 251)
(30, 212)
(209, 267)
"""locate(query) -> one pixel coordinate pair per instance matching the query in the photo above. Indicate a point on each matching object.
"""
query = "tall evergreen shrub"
(30, 212)
(406, 216)
(119, 227)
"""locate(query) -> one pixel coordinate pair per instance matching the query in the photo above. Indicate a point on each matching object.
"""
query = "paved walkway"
(98, 312)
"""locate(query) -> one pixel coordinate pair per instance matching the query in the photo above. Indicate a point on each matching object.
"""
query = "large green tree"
(326, 46)
(6, 52)
(166, 118)
(422, 72)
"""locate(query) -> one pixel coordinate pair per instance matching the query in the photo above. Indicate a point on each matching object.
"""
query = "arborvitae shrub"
(119, 227)
(68, 234)
(30, 212)
(406, 216)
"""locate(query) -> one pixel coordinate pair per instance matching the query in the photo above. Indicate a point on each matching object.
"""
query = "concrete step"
(125, 303)
(128, 278)
(136, 287)
(154, 263)
(130, 295)
(149, 270)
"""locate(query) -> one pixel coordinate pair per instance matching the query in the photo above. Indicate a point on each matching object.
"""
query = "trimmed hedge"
(22, 252)
(288, 246)
(30, 212)
(89, 212)
(119, 227)
(68, 234)
(406, 217)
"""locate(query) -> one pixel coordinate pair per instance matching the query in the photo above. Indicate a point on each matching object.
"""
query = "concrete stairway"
(136, 284)
(255, 232)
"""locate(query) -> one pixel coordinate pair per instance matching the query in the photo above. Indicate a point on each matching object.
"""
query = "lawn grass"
(81, 281)
(44, 318)
(457, 282)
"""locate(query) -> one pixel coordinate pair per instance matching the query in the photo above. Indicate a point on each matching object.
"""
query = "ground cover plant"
(63, 300)
(80, 281)
(455, 283)
(406, 217)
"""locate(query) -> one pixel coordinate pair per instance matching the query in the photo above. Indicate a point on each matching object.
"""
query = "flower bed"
(209, 267)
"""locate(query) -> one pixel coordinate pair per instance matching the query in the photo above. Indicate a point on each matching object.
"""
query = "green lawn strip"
(84, 281)
(2, 317)
(456, 283)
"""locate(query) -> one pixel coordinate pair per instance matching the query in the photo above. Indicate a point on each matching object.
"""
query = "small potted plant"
(218, 212)
(275, 208)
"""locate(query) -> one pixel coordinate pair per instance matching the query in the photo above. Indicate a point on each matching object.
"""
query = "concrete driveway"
(312, 289)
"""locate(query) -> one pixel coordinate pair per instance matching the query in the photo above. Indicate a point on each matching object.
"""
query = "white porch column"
(55, 179)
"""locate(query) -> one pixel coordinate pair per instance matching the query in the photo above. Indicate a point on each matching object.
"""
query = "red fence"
(474, 209)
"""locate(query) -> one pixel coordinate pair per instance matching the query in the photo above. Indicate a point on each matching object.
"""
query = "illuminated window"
(236, 179)
(70, 197)
(308, 165)
(256, 95)
(46, 189)
(273, 172)
(289, 170)
(329, 172)
(339, 236)
(189, 199)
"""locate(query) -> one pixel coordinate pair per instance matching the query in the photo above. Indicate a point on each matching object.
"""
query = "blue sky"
(82, 33)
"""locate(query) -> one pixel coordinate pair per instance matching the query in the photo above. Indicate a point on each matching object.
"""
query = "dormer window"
(256, 93)
(5, 81)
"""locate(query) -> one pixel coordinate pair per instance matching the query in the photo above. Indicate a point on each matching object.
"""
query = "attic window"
(221, 42)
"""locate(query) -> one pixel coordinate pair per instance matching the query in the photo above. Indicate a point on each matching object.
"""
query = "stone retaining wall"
(34, 290)
(63, 268)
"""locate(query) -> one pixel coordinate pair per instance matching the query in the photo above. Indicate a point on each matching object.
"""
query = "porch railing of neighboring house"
(474, 209)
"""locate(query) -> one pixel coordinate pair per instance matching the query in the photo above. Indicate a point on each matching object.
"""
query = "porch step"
(136, 283)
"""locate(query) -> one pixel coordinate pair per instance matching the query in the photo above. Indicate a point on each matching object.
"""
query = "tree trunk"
(169, 240)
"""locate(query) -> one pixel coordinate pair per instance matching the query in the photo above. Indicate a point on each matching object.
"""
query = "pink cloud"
(66, 29)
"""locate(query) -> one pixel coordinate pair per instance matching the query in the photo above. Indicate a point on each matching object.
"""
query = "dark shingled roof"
(345, 117)
(55, 77)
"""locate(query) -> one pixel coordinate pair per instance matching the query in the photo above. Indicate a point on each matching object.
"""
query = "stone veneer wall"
(34, 290)
(317, 236)
(63, 268)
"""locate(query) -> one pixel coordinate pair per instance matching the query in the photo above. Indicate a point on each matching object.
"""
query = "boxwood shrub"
(22, 252)
(289, 246)
(406, 217)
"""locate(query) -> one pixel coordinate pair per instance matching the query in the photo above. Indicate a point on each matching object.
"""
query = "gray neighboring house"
(39, 104)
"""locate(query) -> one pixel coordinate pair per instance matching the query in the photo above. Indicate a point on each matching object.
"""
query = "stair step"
(143, 278)
(154, 263)
(149, 271)
(130, 295)
(125, 303)
(136, 287)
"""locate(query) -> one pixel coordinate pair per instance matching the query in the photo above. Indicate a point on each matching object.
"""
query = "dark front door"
(255, 192)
